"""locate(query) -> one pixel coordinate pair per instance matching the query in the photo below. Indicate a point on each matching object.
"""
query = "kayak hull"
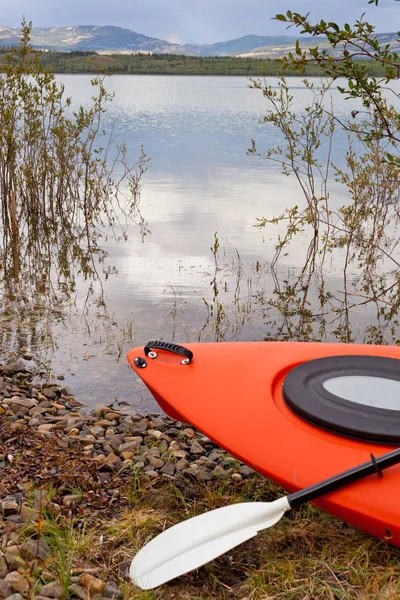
(232, 392)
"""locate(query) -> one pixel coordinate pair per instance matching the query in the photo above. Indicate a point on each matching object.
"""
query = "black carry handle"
(169, 347)
(375, 465)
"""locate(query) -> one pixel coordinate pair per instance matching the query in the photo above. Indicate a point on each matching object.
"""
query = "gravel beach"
(49, 440)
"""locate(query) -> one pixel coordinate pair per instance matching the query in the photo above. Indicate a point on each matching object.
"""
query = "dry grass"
(308, 555)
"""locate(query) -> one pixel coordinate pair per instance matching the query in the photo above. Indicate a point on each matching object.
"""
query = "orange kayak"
(296, 412)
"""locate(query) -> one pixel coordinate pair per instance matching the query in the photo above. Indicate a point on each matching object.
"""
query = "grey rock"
(3, 567)
(16, 519)
(15, 597)
(154, 451)
(13, 558)
(203, 475)
(132, 446)
(112, 592)
(5, 590)
(246, 471)
(181, 464)
(9, 507)
(14, 367)
(72, 499)
(51, 393)
(152, 474)
(157, 463)
(196, 448)
(168, 468)
(29, 515)
(17, 582)
(78, 591)
(210, 464)
(31, 550)
(51, 590)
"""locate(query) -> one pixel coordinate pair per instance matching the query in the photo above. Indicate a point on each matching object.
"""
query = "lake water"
(196, 130)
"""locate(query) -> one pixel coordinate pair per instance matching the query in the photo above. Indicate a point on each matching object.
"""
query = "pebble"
(91, 583)
(17, 582)
(153, 444)
(51, 590)
(5, 590)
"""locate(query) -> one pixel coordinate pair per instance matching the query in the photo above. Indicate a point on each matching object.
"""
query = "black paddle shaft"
(375, 465)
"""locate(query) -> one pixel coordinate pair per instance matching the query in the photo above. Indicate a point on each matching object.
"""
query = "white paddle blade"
(194, 542)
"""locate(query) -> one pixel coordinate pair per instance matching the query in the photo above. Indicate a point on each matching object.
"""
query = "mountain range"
(110, 39)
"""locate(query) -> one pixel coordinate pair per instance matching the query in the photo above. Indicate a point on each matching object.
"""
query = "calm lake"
(196, 131)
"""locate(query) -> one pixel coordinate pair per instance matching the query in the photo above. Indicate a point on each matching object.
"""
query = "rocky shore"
(59, 461)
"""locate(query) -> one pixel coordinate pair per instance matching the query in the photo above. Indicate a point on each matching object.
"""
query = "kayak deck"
(232, 392)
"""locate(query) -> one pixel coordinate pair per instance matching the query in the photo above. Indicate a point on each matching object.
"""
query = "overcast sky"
(195, 21)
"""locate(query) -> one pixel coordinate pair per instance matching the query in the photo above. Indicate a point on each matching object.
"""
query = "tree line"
(171, 64)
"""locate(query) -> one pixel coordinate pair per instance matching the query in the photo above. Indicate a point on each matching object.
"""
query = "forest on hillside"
(170, 64)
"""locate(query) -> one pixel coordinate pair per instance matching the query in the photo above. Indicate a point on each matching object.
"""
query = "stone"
(236, 477)
(46, 427)
(154, 451)
(189, 432)
(218, 472)
(113, 593)
(96, 431)
(78, 591)
(210, 464)
(91, 583)
(73, 432)
(215, 455)
(5, 590)
(140, 426)
(31, 550)
(51, 590)
(17, 582)
(130, 446)
(14, 367)
(112, 416)
(87, 439)
(3, 567)
(196, 448)
(157, 463)
(9, 507)
(29, 515)
(246, 471)
(16, 519)
(154, 433)
(19, 401)
(181, 464)
(168, 468)
(15, 597)
(152, 474)
(179, 453)
(72, 499)
(203, 475)
(127, 455)
(37, 411)
(50, 393)
(111, 461)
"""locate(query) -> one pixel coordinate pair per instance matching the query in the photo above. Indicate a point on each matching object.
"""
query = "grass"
(308, 555)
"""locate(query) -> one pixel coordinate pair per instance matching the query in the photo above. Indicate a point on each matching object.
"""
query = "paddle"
(194, 542)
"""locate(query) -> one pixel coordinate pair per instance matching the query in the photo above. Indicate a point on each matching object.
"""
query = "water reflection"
(172, 286)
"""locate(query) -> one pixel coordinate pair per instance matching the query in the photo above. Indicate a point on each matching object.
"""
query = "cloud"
(192, 21)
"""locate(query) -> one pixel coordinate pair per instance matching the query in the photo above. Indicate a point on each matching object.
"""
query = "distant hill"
(109, 39)
(275, 50)
(241, 45)
(88, 37)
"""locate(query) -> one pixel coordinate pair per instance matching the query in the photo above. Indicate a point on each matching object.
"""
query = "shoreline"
(89, 461)
(81, 493)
